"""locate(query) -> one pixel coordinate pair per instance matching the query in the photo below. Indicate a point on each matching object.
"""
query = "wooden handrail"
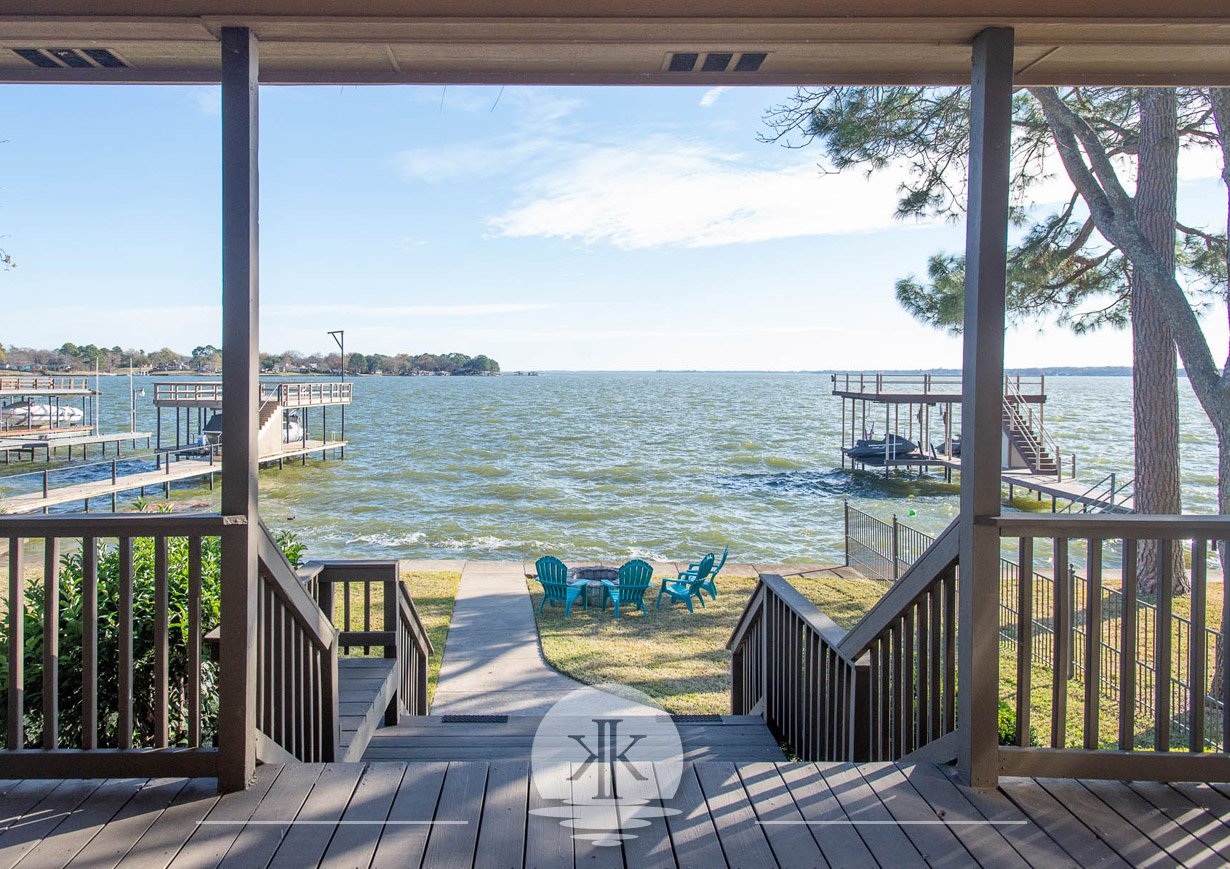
(1133, 526)
(287, 586)
(815, 618)
(918, 578)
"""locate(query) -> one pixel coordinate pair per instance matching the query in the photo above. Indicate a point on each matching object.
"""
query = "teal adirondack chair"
(634, 579)
(687, 584)
(709, 585)
(555, 586)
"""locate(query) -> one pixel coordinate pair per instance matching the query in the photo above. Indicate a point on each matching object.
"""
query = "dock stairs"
(1028, 439)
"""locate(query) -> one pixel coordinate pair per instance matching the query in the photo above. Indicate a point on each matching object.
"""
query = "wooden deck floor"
(481, 814)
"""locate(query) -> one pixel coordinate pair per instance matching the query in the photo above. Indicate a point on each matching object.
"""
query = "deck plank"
(217, 831)
(1079, 841)
(984, 841)
(1146, 819)
(742, 839)
(649, 846)
(118, 837)
(889, 845)
(80, 827)
(461, 803)
(354, 843)
(41, 818)
(501, 834)
(167, 835)
(692, 832)
(19, 795)
(920, 821)
(305, 843)
(781, 822)
(594, 819)
(1107, 824)
(1212, 825)
(548, 843)
(1029, 840)
(258, 842)
(838, 840)
(403, 843)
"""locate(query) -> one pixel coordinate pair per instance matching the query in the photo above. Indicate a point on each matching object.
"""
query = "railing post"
(394, 650)
(846, 514)
(982, 402)
(896, 548)
(861, 709)
(240, 369)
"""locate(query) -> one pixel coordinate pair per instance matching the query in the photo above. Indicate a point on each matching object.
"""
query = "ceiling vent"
(71, 58)
(716, 61)
(683, 61)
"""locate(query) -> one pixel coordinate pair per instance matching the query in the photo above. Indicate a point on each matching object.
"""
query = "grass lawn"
(676, 657)
(434, 594)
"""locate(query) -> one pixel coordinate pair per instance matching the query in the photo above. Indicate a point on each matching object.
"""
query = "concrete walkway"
(492, 662)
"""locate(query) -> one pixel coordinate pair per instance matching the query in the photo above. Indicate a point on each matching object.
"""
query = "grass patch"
(676, 657)
(434, 594)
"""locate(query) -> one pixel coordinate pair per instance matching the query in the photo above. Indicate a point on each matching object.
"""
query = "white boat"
(33, 414)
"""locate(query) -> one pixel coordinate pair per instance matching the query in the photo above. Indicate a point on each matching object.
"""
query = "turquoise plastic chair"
(553, 575)
(634, 580)
(687, 584)
(709, 585)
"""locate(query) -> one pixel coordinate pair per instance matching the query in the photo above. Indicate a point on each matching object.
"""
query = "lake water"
(617, 465)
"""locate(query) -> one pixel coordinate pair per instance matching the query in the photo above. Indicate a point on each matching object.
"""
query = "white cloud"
(710, 96)
(666, 191)
(486, 160)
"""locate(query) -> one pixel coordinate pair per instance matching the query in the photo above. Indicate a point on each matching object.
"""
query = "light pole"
(339, 338)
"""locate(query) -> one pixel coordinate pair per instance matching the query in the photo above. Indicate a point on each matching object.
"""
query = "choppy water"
(614, 465)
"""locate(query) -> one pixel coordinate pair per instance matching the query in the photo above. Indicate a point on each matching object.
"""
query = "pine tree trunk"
(1155, 395)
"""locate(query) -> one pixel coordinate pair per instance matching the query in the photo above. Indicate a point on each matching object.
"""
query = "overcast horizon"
(579, 229)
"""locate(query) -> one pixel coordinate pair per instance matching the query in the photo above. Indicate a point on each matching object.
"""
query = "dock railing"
(34, 384)
(314, 393)
(874, 547)
(942, 386)
(296, 394)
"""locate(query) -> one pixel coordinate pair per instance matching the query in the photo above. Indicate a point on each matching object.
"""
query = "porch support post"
(240, 368)
(986, 246)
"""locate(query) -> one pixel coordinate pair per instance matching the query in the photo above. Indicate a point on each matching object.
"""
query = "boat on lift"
(871, 451)
(35, 414)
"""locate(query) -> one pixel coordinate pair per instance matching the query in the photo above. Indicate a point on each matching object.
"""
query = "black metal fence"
(884, 550)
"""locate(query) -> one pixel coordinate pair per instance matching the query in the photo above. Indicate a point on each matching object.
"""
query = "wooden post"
(240, 367)
(986, 247)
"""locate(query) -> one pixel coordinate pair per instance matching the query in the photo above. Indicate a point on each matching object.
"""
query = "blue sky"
(613, 228)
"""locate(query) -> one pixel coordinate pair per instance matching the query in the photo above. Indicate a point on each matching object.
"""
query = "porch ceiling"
(623, 41)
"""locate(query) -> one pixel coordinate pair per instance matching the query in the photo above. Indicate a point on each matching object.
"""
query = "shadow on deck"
(481, 814)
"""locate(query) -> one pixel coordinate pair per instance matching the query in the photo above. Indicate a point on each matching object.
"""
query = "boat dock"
(51, 445)
(932, 409)
(184, 467)
(286, 432)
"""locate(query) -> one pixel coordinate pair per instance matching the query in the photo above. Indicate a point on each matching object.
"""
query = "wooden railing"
(33, 384)
(1166, 743)
(787, 666)
(909, 642)
(296, 666)
(940, 385)
(313, 393)
(118, 604)
(372, 609)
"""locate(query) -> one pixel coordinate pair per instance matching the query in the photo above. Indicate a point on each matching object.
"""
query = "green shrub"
(70, 625)
(1007, 726)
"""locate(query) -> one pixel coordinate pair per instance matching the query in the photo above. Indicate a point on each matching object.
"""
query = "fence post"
(896, 549)
(860, 733)
(846, 512)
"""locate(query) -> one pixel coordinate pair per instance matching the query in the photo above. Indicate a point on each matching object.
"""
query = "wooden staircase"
(1029, 440)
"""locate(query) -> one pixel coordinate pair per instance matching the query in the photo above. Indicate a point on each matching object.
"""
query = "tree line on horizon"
(207, 359)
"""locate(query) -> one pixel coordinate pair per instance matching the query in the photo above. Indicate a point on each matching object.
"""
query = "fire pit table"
(592, 576)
